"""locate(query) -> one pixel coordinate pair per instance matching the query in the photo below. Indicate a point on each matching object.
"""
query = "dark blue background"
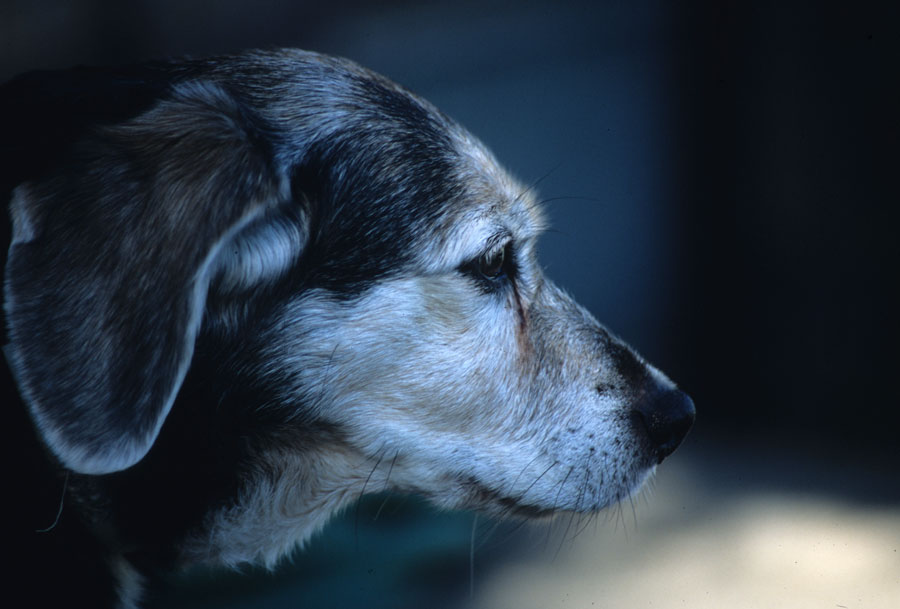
(721, 181)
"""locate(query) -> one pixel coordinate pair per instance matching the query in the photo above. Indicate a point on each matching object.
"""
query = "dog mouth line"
(485, 495)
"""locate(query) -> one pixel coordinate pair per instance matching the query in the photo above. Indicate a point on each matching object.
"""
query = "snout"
(666, 415)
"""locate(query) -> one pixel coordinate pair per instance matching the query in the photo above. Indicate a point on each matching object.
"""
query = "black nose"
(667, 415)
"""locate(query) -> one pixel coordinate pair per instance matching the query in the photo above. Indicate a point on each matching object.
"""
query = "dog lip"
(526, 510)
(511, 505)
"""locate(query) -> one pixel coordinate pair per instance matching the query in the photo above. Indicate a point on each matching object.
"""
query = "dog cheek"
(418, 358)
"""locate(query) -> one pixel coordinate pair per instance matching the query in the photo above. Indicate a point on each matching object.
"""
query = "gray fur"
(318, 230)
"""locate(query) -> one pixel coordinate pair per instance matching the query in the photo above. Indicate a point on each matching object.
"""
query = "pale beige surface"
(694, 547)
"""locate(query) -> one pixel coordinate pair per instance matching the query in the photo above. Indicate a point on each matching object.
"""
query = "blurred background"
(722, 183)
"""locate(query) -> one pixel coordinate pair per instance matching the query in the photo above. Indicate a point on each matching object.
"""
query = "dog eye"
(492, 265)
(491, 268)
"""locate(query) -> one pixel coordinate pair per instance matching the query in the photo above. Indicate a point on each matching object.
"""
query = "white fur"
(23, 224)
(129, 583)
(259, 253)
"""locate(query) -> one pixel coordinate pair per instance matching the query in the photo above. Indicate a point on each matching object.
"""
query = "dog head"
(304, 227)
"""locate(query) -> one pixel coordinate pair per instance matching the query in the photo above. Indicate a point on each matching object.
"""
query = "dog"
(240, 291)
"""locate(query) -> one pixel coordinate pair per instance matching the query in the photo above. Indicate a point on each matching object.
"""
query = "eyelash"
(492, 267)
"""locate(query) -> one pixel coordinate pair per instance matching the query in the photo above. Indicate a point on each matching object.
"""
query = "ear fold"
(109, 266)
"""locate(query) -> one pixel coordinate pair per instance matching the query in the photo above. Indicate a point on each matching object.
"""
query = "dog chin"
(477, 495)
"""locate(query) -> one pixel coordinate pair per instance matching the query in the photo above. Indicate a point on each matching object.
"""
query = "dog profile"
(238, 290)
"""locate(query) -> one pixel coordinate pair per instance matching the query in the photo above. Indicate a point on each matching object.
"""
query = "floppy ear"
(109, 266)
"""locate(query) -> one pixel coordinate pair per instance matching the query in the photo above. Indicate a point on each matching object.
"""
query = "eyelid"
(497, 242)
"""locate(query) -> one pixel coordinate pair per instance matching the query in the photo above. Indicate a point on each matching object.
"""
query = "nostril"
(667, 416)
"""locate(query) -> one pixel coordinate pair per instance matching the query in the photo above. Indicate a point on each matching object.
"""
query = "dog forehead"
(494, 206)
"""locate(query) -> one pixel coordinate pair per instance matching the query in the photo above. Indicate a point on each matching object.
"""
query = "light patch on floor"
(688, 549)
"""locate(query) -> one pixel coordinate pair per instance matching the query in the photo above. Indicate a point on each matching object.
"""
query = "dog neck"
(284, 503)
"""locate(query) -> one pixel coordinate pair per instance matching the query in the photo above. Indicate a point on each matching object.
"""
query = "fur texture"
(266, 281)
